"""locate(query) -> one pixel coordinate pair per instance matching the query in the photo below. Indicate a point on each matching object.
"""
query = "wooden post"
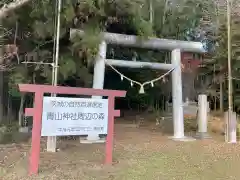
(221, 95)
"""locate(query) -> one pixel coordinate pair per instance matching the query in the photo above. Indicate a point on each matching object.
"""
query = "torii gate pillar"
(98, 83)
(178, 121)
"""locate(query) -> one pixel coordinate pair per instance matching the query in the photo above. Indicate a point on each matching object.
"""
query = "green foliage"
(46, 73)
(67, 67)
(18, 76)
(143, 27)
(86, 46)
(43, 15)
(175, 18)
(221, 55)
(43, 29)
(170, 20)
(84, 75)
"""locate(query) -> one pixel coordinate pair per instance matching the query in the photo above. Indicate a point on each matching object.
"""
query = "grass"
(139, 154)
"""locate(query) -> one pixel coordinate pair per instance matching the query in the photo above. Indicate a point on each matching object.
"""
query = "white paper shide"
(74, 116)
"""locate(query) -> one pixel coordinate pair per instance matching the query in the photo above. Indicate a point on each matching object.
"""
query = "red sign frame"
(36, 113)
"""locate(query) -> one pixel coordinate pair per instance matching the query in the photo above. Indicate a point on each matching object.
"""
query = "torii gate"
(175, 46)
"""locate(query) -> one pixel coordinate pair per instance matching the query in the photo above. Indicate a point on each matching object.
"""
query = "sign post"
(75, 126)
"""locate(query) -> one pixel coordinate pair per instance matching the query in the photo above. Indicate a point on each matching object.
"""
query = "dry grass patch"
(139, 154)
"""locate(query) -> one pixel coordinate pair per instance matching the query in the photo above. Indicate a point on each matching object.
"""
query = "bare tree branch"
(11, 6)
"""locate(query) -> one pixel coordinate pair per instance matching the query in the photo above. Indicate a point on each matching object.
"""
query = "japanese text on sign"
(74, 116)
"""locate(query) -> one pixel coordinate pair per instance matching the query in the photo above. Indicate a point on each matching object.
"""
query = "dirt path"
(138, 154)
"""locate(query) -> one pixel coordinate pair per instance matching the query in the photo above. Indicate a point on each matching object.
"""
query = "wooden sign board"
(74, 116)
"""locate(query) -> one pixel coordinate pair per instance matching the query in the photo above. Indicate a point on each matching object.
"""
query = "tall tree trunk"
(10, 115)
(20, 112)
(215, 103)
(1, 73)
(7, 7)
(1, 97)
(221, 95)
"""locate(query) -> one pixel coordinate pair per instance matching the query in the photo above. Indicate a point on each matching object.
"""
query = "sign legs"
(51, 143)
(109, 140)
(36, 112)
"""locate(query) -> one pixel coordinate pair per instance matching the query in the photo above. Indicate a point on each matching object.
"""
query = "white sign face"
(74, 116)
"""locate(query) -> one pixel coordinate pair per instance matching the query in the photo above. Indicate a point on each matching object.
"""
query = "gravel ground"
(139, 154)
